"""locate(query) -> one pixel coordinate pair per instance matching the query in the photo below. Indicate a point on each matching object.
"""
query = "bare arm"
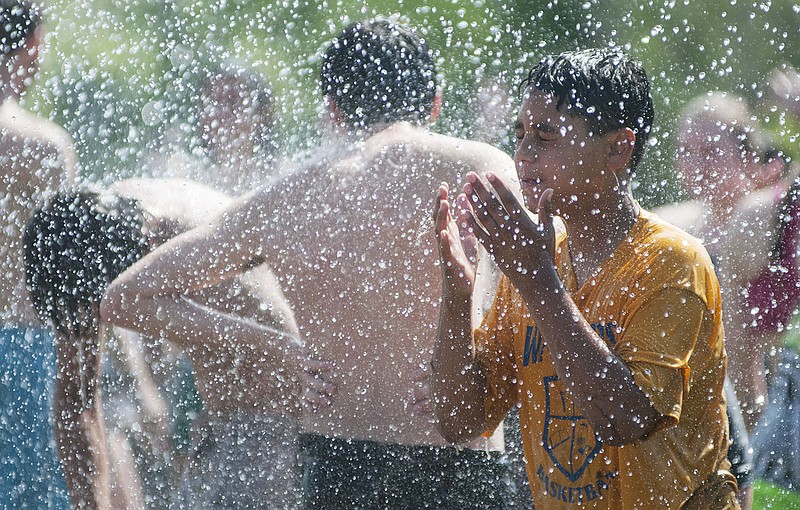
(524, 252)
(457, 378)
(79, 430)
(155, 413)
(151, 296)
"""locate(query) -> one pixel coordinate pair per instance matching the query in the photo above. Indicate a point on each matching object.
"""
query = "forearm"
(601, 384)
(457, 379)
(193, 326)
(81, 444)
(79, 431)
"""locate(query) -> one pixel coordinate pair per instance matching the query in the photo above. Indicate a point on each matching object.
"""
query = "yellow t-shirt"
(656, 303)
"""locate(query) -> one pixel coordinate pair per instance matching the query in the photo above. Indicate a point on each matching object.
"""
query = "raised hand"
(518, 245)
(420, 394)
(318, 386)
(457, 247)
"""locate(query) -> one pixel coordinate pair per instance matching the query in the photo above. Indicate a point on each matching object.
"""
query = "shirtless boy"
(348, 236)
(608, 334)
(237, 336)
(36, 158)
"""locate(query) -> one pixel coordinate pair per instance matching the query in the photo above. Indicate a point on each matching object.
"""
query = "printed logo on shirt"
(606, 331)
(568, 437)
(578, 493)
(534, 344)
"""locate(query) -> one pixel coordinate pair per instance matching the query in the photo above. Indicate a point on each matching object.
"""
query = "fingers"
(507, 197)
(485, 204)
(421, 404)
(545, 216)
(318, 386)
(469, 223)
(545, 208)
(442, 197)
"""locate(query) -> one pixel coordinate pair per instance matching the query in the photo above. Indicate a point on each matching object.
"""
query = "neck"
(597, 227)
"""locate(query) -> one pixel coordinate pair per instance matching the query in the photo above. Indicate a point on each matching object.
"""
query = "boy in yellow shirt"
(607, 333)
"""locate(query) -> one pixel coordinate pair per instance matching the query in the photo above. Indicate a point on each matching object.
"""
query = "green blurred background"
(120, 73)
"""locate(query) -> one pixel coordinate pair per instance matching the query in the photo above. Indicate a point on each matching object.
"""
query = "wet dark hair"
(379, 71)
(74, 246)
(18, 20)
(605, 86)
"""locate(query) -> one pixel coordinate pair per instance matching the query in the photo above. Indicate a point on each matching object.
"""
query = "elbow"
(453, 435)
(113, 305)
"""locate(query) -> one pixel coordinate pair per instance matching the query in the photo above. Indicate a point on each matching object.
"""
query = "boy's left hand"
(503, 226)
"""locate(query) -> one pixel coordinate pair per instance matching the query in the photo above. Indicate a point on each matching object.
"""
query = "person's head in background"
(376, 73)
(236, 115)
(74, 246)
(721, 153)
(20, 45)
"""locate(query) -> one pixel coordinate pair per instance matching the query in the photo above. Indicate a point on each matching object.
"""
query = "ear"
(620, 149)
(334, 113)
(33, 46)
(769, 173)
(436, 109)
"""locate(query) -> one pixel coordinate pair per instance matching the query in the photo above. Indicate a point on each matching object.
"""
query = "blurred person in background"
(245, 441)
(737, 184)
(229, 143)
(774, 298)
(36, 158)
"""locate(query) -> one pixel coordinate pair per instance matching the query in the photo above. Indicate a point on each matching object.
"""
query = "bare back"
(36, 158)
(357, 260)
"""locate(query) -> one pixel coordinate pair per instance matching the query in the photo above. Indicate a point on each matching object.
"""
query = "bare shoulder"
(19, 126)
(446, 158)
(37, 153)
(182, 201)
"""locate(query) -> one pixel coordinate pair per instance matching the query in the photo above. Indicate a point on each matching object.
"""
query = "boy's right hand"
(457, 247)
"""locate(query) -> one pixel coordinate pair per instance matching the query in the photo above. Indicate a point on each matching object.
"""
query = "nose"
(525, 152)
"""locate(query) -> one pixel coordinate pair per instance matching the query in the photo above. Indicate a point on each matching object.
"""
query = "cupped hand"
(457, 247)
(519, 245)
(318, 386)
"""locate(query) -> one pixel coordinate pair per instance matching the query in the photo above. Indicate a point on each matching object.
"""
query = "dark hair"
(603, 85)
(74, 246)
(18, 20)
(379, 71)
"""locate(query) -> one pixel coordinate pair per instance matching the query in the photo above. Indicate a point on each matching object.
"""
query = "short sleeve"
(494, 349)
(657, 343)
